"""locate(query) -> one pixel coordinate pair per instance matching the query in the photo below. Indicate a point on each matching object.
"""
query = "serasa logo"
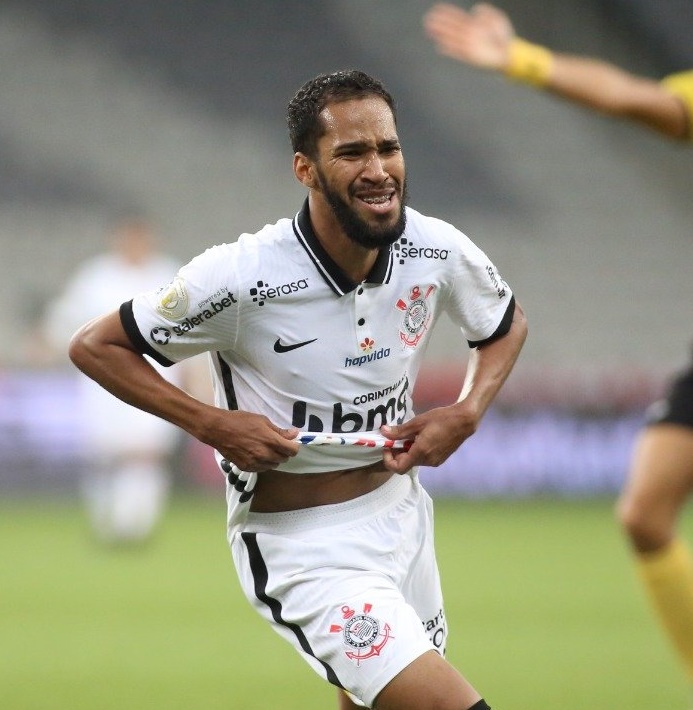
(404, 249)
(262, 291)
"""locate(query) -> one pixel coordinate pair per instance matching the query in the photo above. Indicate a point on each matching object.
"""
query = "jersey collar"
(335, 278)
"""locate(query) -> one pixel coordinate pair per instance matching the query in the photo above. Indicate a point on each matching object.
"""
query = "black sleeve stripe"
(501, 330)
(133, 332)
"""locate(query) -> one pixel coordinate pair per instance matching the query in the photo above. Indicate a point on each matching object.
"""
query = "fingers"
(404, 431)
(285, 442)
(478, 37)
(289, 434)
(484, 8)
(435, 433)
(399, 461)
(444, 23)
(284, 445)
(256, 444)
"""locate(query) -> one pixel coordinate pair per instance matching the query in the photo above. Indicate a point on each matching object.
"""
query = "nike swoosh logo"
(279, 347)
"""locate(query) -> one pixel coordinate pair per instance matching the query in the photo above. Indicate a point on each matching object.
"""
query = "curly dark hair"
(303, 111)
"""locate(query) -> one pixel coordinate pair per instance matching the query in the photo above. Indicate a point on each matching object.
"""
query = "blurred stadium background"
(176, 109)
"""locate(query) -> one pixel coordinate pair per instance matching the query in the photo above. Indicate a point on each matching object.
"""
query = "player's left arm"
(441, 431)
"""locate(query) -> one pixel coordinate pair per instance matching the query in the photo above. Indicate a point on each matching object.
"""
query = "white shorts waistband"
(392, 492)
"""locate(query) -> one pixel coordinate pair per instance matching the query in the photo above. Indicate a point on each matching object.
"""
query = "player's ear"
(304, 170)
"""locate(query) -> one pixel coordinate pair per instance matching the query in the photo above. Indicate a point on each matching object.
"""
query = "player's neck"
(353, 259)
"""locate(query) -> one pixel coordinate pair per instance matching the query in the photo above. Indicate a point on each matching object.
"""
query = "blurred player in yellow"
(661, 474)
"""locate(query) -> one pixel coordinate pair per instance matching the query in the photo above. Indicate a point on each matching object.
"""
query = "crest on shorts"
(417, 314)
(364, 635)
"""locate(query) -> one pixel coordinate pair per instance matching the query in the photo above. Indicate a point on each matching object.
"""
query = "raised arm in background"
(660, 478)
(484, 37)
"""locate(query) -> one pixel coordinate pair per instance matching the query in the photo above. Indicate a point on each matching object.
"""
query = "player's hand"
(480, 37)
(250, 441)
(437, 434)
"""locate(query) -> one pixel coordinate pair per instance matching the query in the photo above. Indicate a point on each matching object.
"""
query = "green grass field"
(541, 599)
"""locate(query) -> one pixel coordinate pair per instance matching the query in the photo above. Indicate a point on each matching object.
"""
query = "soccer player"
(319, 323)
(127, 452)
(661, 473)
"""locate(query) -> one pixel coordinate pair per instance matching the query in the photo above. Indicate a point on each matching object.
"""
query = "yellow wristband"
(529, 63)
(681, 85)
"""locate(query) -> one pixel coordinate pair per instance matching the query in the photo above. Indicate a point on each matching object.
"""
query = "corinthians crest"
(417, 315)
(364, 636)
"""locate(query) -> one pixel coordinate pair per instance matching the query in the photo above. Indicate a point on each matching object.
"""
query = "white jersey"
(293, 338)
(99, 285)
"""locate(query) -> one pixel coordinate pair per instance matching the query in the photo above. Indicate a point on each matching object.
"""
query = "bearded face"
(372, 231)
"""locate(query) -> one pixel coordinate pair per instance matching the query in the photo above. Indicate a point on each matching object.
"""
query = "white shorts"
(354, 587)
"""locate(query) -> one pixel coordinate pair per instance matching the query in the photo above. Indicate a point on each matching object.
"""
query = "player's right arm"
(484, 37)
(102, 350)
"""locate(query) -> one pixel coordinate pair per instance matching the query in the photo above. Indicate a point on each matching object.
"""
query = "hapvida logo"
(363, 359)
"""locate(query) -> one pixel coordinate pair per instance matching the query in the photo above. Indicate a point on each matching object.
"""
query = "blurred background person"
(661, 473)
(127, 452)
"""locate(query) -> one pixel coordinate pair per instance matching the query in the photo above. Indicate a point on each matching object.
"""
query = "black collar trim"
(335, 278)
